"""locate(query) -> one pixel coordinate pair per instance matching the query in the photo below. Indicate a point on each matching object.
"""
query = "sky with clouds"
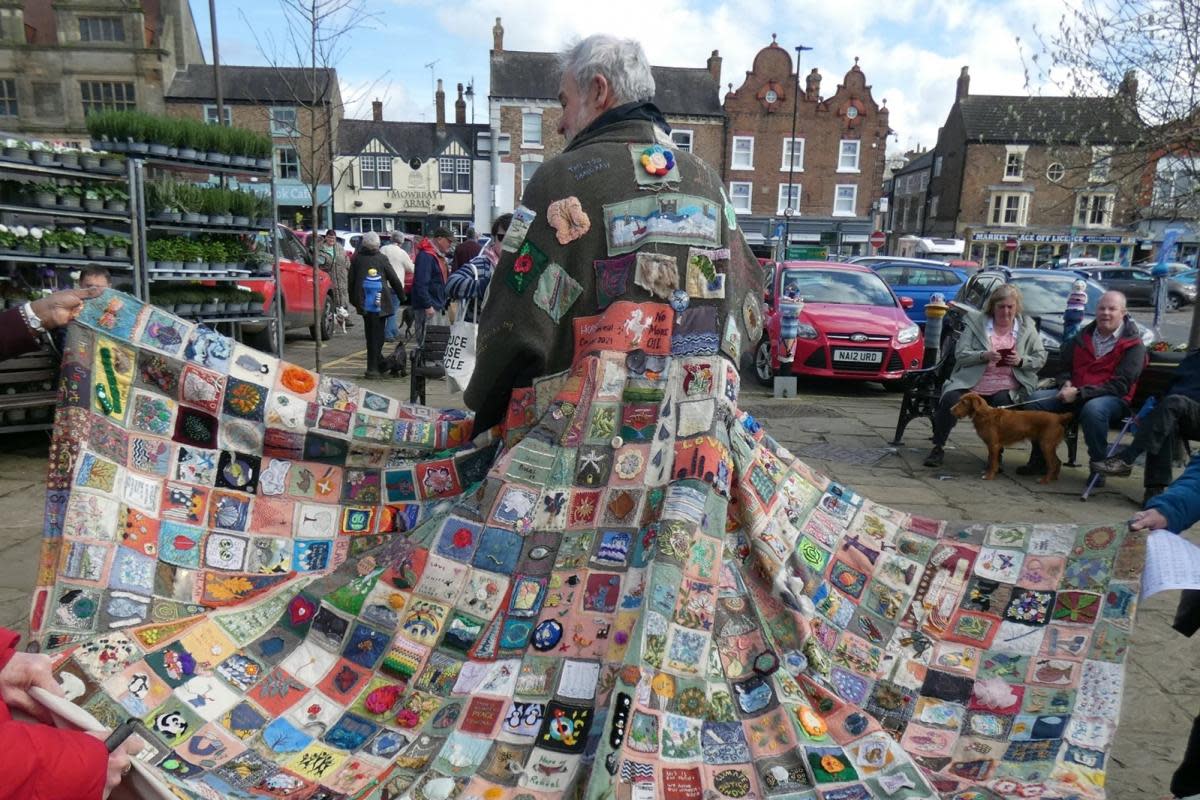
(910, 50)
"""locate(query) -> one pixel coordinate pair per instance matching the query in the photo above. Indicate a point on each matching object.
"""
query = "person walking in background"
(333, 259)
(370, 274)
(469, 282)
(998, 356)
(430, 274)
(402, 266)
(467, 249)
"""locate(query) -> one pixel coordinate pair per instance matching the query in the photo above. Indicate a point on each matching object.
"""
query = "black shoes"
(934, 459)
(1114, 466)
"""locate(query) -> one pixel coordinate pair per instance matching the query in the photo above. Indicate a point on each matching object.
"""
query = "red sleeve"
(45, 762)
(8, 645)
(15, 337)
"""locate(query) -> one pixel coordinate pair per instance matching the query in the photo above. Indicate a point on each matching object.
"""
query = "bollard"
(785, 386)
(935, 312)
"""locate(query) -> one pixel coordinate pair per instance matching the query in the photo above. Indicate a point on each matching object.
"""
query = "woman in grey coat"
(998, 356)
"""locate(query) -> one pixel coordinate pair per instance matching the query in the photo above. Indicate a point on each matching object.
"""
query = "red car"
(296, 276)
(851, 325)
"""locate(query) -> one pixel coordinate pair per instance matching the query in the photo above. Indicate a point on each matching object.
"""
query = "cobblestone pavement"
(851, 424)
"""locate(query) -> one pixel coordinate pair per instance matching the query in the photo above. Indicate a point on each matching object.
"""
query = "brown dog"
(998, 427)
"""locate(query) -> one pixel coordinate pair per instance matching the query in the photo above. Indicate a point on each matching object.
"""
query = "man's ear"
(602, 90)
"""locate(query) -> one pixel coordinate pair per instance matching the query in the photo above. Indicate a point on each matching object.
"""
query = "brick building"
(1060, 175)
(835, 161)
(524, 112)
(909, 190)
(60, 59)
(411, 176)
(302, 117)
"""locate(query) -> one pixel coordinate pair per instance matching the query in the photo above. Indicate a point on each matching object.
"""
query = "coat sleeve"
(1124, 377)
(355, 287)
(1180, 503)
(15, 337)
(422, 275)
(43, 761)
(969, 350)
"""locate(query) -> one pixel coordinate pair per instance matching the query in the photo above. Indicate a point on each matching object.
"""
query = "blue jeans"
(1095, 417)
(391, 328)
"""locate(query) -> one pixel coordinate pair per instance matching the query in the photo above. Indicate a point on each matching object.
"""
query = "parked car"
(1081, 262)
(920, 280)
(296, 278)
(1138, 285)
(1044, 295)
(852, 325)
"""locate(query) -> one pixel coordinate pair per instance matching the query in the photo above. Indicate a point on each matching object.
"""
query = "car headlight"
(1048, 341)
(908, 335)
(806, 331)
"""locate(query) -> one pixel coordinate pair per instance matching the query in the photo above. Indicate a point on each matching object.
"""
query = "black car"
(1138, 285)
(1044, 294)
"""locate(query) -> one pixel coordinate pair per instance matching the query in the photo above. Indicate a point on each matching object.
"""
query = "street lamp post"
(789, 212)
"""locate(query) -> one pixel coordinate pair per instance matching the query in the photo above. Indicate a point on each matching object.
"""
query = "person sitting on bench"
(998, 356)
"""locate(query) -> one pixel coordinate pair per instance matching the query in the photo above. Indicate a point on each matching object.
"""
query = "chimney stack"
(439, 98)
(812, 86)
(497, 36)
(460, 108)
(1129, 86)
(377, 110)
(963, 88)
(714, 66)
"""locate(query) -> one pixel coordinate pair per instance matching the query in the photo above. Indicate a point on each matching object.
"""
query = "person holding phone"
(998, 355)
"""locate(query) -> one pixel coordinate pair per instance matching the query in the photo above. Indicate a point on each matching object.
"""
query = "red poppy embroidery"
(523, 264)
(462, 538)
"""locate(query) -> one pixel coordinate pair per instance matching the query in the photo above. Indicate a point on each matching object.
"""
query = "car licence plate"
(858, 356)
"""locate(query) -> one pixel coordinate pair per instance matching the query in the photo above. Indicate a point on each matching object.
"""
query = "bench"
(427, 361)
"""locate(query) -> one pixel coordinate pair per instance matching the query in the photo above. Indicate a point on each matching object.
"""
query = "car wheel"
(762, 363)
(327, 319)
(1174, 301)
(263, 339)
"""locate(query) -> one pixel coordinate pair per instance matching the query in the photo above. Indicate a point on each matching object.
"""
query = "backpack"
(372, 291)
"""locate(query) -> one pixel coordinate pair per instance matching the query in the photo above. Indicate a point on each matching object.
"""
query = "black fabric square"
(196, 428)
(944, 686)
(238, 471)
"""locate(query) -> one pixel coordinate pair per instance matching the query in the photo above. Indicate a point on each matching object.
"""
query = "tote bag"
(460, 348)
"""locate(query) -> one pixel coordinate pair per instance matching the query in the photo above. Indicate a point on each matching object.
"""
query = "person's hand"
(992, 357)
(1011, 360)
(1068, 393)
(1148, 520)
(20, 674)
(120, 761)
(429, 312)
(58, 309)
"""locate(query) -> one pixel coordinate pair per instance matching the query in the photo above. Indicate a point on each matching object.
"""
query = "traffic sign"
(1011, 244)
(878, 239)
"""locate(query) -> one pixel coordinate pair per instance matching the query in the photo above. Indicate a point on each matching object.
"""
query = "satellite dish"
(414, 162)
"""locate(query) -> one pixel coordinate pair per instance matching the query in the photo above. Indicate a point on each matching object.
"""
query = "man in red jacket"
(43, 762)
(1101, 366)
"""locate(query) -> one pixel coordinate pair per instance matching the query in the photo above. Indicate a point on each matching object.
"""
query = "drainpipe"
(494, 156)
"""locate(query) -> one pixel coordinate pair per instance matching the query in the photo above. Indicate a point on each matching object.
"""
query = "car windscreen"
(836, 286)
(1046, 295)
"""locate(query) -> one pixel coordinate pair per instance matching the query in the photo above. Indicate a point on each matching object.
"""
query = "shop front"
(807, 236)
(293, 201)
(989, 246)
(1187, 243)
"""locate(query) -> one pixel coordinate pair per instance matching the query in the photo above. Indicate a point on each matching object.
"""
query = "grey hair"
(370, 240)
(622, 62)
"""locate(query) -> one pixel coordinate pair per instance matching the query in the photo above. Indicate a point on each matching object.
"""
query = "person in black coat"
(374, 306)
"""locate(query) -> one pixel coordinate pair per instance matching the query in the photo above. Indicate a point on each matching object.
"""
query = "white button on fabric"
(617, 443)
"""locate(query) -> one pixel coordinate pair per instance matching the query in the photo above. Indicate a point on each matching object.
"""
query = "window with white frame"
(366, 171)
(101, 29)
(283, 121)
(739, 195)
(845, 199)
(8, 98)
(682, 139)
(531, 129)
(1055, 172)
(933, 205)
(1101, 164)
(364, 224)
(848, 156)
(462, 175)
(743, 153)
(1175, 181)
(446, 174)
(1094, 211)
(937, 167)
(789, 200)
(107, 96)
(210, 115)
(527, 170)
(376, 171)
(287, 163)
(924, 182)
(793, 155)
(1014, 162)
(1009, 208)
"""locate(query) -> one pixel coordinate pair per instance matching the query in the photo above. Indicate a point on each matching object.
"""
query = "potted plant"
(112, 164)
(117, 246)
(70, 242)
(17, 150)
(45, 194)
(68, 158)
(30, 239)
(211, 302)
(187, 301)
(8, 239)
(265, 213)
(69, 196)
(164, 299)
(95, 245)
(43, 155)
(89, 161)
(256, 302)
(116, 199)
(49, 240)
(186, 139)
(241, 207)
(92, 200)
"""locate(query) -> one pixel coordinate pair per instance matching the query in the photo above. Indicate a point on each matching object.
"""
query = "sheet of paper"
(1172, 562)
